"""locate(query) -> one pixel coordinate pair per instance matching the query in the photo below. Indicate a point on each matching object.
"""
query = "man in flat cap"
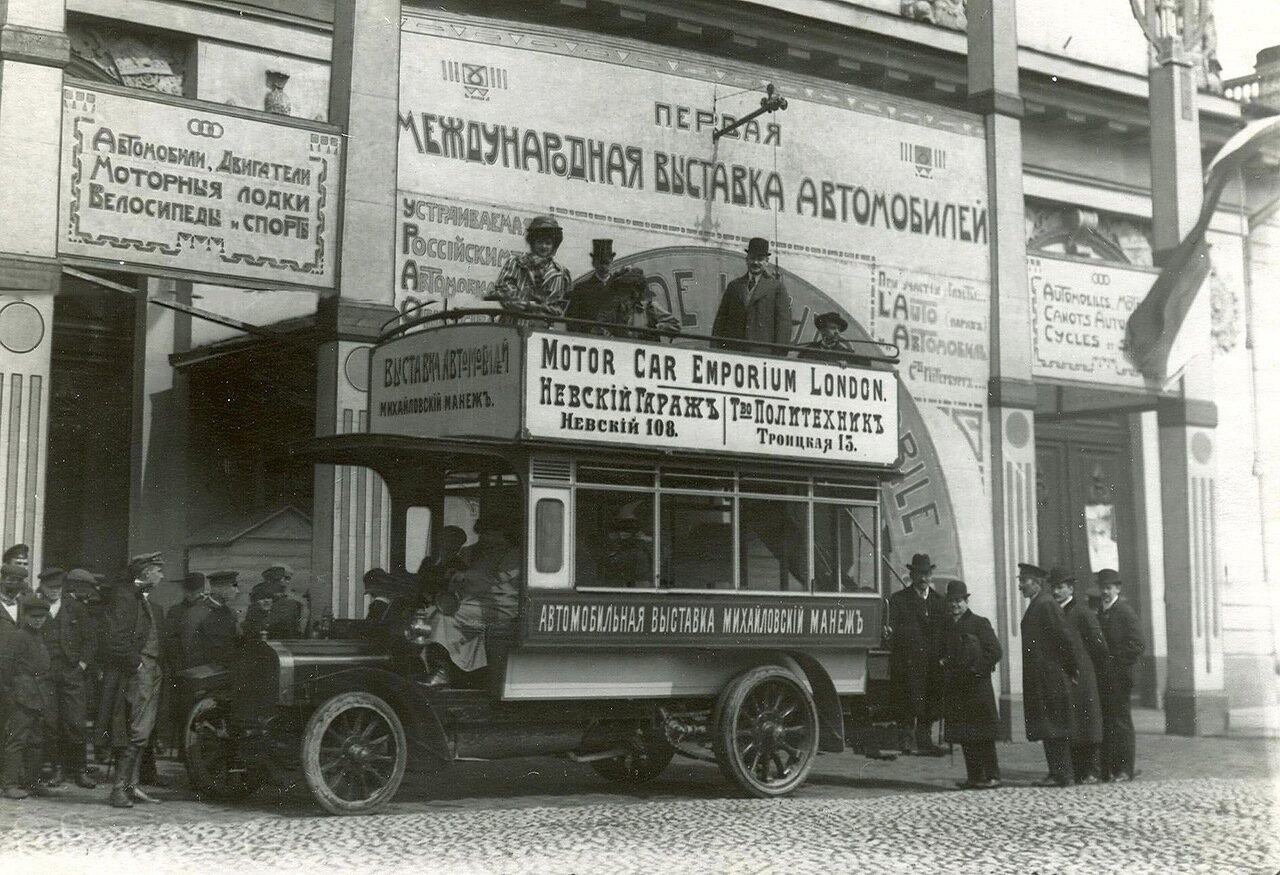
(24, 677)
(1091, 656)
(70, 639)
(1048, 671)
(212, 628)
(970, 654)
(917, 615)
(755, 306)
(590, 298)
(130, 653)
(1119, 626)
(19, 555)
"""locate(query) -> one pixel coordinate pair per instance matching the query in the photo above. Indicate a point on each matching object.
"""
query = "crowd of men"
(78, 648)
(1078, 669)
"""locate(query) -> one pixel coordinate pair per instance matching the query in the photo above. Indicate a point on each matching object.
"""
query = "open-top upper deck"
(483, 378)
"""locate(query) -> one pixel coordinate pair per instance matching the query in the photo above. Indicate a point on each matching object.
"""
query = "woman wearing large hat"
(534, 281)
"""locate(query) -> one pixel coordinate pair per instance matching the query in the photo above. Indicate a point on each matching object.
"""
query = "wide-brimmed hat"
(921, 562)
(1108, 577)
(957, 590)
(758, 246)
(1027, 569)
(1057, 576)
(602, 248)
(629, 279)
(833, 318)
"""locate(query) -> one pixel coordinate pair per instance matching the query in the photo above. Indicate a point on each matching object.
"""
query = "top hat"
(602, 249)
(921, 562)
(1057, 576)
(833, 318)
(142, 561)
(51, 575)
(193, 582)
(33, 604)
(8, 569)
(758, 246)
(278, 573)
(1109, 577)
(1026, 569)
(957, 590)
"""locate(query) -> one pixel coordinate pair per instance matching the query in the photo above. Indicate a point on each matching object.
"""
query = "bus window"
(548, 545)
(844, 547)
(614, 538)
(697, 541)
(773, 541)
(417, 536)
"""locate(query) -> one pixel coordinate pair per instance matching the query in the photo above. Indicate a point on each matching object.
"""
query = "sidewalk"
(1260, 722)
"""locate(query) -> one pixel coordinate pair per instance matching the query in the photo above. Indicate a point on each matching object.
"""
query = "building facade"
(211, 210)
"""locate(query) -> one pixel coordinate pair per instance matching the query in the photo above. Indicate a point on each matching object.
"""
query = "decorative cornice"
(20, 273)
(1010, 392)
(1172, 412)
(34, 45)
(996, 102)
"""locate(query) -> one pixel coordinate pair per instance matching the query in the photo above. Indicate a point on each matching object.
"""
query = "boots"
(134, 791)
(119, 797)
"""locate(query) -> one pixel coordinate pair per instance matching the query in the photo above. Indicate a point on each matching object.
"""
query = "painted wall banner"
(1079, 312)
(173, 188)
(700, 619)
(596, 389)
(451, 381)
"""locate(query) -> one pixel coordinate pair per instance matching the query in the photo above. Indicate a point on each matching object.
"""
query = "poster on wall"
(172, 188)
(874, 206)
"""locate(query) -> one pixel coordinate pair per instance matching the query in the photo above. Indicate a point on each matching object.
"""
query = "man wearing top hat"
(69, 638)
(129, 648)
(1091, 655)
(970, 653)
(1119, 626)
(755, 306)
(1048, 671)
(24, 677)
(590, 299)
(916, 618)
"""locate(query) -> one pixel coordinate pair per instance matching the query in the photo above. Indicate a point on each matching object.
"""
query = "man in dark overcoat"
(69, 637)
(755, 306)
(24, 677)
(970, 654)
(917, 616)
(210, 632)
(1119, 626)
(13, 583)
(1048, 671)
(592, 298)
(1091, 652)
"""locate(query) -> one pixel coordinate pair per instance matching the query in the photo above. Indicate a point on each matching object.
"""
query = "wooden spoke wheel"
(354, 753)
(210, 753)
(766, 732)
(648, 753)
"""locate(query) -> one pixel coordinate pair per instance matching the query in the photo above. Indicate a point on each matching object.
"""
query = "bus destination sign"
(596, 389)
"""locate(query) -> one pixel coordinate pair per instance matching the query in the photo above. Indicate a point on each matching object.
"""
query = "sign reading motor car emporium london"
(601, 390)
(174, 188)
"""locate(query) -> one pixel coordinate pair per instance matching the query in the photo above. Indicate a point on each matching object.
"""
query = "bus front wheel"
(766, 732)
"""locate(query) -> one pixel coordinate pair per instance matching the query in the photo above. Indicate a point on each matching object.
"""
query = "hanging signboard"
(174, 188)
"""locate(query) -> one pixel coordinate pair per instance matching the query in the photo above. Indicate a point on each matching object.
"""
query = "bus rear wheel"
(766, 732)
(354, 753)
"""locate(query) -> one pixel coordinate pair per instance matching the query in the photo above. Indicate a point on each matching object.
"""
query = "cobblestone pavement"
(1203, 805)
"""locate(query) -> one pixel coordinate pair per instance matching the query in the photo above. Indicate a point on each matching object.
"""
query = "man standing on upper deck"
(754, 306)
(591, 298)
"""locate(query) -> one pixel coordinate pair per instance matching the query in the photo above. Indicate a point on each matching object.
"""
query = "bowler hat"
(758, 246)
(1109, 577)
(8, 569)
(142, 561)
(602, 248)
(957, 590)
(921, 562)
(833, 318)
(193, 582)
(1057, 576)
(278, 572)
(1026, 569)
(51, 574)
(33, 604)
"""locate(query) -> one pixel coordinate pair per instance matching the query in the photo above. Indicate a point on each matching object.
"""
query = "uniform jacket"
(1090, 652)
(127, 621)
(25, 671)
(762, 313)
(1119, 626)
(1048, 662)
(914, 650)
(971, 652)
(213, 640)
(70, 637)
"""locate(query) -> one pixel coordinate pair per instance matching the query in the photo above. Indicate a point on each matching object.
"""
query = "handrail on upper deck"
(880, 349)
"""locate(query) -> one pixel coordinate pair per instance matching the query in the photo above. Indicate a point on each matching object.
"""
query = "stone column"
(993, 91)
(351, 508)
(34, 50)
(1195, 699)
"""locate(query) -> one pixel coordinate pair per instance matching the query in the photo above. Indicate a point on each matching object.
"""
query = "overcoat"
(971, 653)
(914, 650)
(1119, 626)
(1048, 664)
(592, 298)
(762, 313)
(1091, 657)
(25, 671)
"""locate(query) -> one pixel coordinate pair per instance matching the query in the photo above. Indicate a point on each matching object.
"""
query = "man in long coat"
(592, 298)
(70, 639)
(969, 716)
(1048, 671)
(1091, 654)
(754, 306)
(916, 618)
(1119, 626)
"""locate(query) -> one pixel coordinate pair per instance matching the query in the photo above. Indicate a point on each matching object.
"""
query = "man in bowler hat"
(970, 653)
(1048, 671)
(916, 618)
(755, 306)
(590, 299)
(1119, 626)
(831, 327)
